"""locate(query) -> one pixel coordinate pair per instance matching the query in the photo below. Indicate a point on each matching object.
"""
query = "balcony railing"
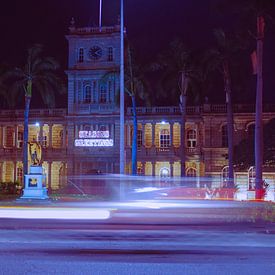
(34, 113)
(206, 108)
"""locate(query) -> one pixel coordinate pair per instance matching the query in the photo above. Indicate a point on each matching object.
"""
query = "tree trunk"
(230, 123)
(182, 134)
(26, 134)
(259, 99)
(134, 137)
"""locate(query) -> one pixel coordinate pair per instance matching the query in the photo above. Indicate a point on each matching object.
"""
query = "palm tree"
(37, 75)
(134, 86)
(180, 73)
(257, 9)
(218, 59)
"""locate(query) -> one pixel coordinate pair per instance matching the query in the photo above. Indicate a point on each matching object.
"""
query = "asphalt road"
(191, 238)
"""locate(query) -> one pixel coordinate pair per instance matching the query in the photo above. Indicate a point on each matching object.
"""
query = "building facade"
(84, 138)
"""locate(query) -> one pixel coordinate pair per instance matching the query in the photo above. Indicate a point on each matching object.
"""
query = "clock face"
(95, 52)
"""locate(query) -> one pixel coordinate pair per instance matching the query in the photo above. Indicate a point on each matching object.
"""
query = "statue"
(35, 152)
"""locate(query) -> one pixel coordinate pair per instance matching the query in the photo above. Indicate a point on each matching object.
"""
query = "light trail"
(55, 213)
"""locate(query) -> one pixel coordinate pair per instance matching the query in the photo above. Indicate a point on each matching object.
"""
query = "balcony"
(171, 151)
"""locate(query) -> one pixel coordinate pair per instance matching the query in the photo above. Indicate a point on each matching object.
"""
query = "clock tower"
(93, 87)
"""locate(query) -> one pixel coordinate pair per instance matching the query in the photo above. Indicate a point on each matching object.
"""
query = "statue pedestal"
(35, 184)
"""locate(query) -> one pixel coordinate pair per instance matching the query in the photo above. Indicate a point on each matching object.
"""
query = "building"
(84, 138)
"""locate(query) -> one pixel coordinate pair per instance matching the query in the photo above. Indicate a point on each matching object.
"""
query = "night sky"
(150, 24)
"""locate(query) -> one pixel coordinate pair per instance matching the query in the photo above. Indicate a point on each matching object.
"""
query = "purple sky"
(151, 24)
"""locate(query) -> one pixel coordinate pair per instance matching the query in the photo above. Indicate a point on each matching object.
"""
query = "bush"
(10, 188)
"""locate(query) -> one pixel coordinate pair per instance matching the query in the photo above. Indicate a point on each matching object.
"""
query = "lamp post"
(121, 151)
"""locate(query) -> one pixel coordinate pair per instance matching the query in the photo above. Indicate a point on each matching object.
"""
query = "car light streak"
(55, 213)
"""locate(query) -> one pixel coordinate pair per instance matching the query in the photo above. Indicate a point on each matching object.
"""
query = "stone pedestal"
(35, 184)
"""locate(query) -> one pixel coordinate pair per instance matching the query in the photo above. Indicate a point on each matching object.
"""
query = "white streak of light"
(53, 213)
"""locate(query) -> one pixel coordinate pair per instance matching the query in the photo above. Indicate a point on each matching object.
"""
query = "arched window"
(110, 54)
(251, 130)
(224, 136)
(88, 94)
(81, 55)
(191, 138)
(164, 172)
(191, 172)
(164, 138)
(225, 175)
(251, 178)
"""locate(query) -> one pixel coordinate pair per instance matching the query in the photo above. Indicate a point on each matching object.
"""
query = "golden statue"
(35, 153)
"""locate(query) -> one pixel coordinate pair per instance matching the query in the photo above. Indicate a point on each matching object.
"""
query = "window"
(87, 94)
(164, 138)
(9, 134)
(251, 178)
(103, 95)
(80, 55)
(191, 139)
(139, 138)
(164, 172)
(224, 136)
(110, 54)
(191, 172)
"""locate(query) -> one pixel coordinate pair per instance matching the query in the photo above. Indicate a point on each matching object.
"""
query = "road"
(137, 238)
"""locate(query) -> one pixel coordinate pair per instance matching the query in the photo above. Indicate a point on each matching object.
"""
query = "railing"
(91, 108)
(34, 112)
(94, 30)
(167, 151)
(206, 108)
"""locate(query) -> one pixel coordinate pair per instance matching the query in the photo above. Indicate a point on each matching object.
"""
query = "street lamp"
(121, 151)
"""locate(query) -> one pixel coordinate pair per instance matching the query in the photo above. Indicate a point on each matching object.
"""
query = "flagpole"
(100, 14)
(122, 156)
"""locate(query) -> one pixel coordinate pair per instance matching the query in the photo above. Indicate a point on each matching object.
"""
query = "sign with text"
(93, 134)
(88, 142)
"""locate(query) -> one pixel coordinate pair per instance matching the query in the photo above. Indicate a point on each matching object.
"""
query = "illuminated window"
(164, 138)
(103, 95)
(88, 94)
(224, 136)
(251, 178)
(191, 139)
(191, 172)
(164, 172)
(110, 54)
(9, 137)
(139, 168)
(81, 55)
